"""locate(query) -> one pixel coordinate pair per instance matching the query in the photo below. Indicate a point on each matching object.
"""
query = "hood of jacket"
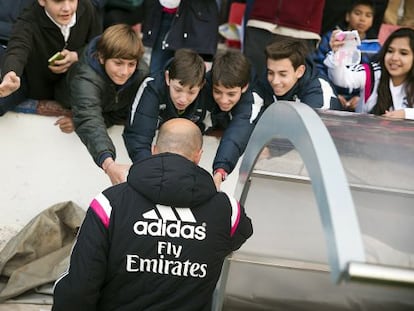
(171, 179)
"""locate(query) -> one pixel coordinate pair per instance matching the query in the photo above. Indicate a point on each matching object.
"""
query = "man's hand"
(10, 84)
(117, 172)
(65, 124)
(62, 65)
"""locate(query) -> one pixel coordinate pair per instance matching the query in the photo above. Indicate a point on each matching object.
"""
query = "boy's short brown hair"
(187, 67)
(230, 69)
(295, 50)
(120, 41)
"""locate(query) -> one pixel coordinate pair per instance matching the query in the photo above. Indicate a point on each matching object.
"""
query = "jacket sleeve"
(241, 224)
(143, 121)
(318, 93)
(236, 136)
(86, 96)
(79, 287)
(18, 48)
(347, 77)
(320, 54)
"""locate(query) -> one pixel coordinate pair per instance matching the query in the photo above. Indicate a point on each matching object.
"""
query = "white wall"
(41, 166)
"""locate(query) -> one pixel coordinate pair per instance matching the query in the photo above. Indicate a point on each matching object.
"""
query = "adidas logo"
(168, 221)
(167, 213)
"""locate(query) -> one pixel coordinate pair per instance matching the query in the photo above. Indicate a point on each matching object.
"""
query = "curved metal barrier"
(304, 128)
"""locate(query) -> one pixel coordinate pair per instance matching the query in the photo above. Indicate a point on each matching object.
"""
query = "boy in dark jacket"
(46, 27)
(292, 76)
(173, 93)
(172, 25)
(158, 241)
(236, 107)
(100, 89)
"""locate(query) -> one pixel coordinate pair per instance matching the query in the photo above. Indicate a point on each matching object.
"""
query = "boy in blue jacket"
(171, 93)
(235, 108)
(292, 76)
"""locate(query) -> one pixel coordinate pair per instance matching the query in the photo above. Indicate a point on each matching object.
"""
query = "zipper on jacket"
(116, 96)
(164, 43)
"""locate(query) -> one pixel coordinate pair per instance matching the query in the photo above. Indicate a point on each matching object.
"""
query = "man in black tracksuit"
(158, 241)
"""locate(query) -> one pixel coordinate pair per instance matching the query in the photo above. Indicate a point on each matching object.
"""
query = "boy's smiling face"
(61, 11)
(119, 70)
(226, 98)
(282, 76)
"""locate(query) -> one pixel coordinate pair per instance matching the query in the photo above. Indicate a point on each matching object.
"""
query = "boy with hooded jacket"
(100, 89)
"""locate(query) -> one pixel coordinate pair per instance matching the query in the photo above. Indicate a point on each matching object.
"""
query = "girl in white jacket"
(387, 86)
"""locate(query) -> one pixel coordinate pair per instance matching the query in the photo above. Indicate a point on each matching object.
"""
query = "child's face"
(360, 18)
(119, 70)
(282, 76)
(60, 10)
(182, 96)
(227, 98)
(398, 60)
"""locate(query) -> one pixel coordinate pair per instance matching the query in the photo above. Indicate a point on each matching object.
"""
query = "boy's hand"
(117, 173)
(65, 124)
(335, 43)
(62, 65)
(395, 114)
(217, 180)
(349, 105)
(10, 84)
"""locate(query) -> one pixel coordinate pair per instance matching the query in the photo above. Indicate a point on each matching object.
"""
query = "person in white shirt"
(387, 86)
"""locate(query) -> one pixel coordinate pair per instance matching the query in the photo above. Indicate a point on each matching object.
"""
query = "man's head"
(285, 64)
(230, 74)
(360, 16)
(180, 136)
(120, 49)
(61, 11)
(185, 77)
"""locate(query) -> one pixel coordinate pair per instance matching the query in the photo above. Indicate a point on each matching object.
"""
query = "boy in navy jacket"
(235, 108)
(171, 93)
(292, 75)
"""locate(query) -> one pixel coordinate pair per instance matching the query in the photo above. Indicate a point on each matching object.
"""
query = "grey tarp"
(39, 253)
